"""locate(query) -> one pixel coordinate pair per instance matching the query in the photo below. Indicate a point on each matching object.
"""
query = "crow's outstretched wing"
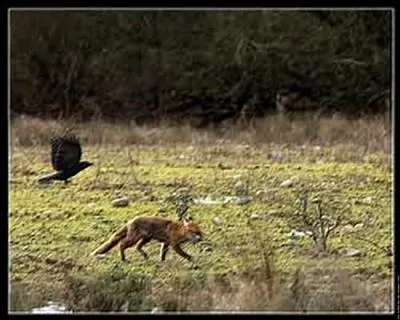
(66, 152)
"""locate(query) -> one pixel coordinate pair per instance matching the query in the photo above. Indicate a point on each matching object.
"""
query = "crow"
(66, 154)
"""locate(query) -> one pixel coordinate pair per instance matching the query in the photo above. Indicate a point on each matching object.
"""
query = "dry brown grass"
(306, 291)
(372, 134)
(316, 290)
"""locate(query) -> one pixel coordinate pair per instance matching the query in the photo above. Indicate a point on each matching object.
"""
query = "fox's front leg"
(164, 250)
(182, 253)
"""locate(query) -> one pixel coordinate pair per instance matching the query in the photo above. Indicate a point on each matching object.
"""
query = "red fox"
(141, 230)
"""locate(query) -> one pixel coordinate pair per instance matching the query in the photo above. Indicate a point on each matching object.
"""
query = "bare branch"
(335, 225)
(385, 250)
(321, 221)
(317, 224)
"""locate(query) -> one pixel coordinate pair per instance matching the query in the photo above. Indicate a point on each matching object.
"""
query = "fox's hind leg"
(125, 244)
(140, 245)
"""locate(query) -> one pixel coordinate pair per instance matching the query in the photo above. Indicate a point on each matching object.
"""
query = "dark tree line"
(147, 65)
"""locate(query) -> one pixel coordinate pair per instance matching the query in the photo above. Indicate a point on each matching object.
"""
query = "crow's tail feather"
(48, 178)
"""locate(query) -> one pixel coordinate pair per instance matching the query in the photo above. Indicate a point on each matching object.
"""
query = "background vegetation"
(149, 65)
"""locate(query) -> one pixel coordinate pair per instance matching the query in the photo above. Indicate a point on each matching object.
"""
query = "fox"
(141, 230)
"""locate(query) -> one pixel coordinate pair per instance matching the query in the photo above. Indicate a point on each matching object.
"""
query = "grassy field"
(250, 263)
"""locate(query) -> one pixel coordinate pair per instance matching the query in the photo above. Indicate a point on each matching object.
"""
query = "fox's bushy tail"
(114, 240)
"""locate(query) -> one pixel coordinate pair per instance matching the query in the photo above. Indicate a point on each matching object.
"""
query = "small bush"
(116, 291)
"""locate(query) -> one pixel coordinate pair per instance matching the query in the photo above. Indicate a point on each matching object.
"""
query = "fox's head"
(192, 231)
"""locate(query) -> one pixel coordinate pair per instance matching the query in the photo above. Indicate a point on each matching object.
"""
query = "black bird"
(66, 154)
